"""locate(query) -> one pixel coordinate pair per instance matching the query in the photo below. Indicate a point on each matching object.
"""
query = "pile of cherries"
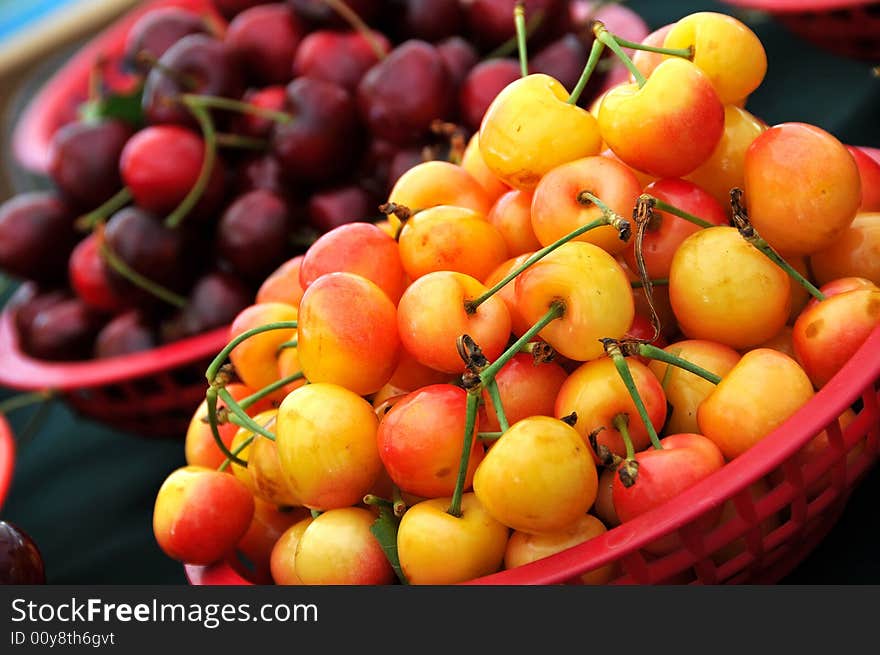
(249, 131)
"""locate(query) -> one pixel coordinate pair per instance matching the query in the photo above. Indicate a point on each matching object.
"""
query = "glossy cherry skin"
(84, 160)
(63, 332)
(198, 57)
(252, 235)
(338, 205)
(856, 253)
(869, 172)
(430, 20)
(459, 55)
(339, 57)
(320, 144)
(323, 15)
(399, 97)
(265, 39)
(215, 299)
(21, 562)
(36, 236)
(159, 29)
(491, 21)
(480, 86)
(564, 59)
(89, 276)
(127, 333)
(271, 97)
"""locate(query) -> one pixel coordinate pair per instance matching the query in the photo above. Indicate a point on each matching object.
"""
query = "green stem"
(210, 155)
(593, 60)
(399, 506)
(120, 199)
(489, 436)
(237, 451)
(193, 100)
(315, 513)
(620, 363)
(211, 403)
(377, 501)
(269, 389)
(293, 343)
(675, 211)
(470, 421)
(519, 19)
(686, 53)
(602, 34)
(619, 223)
(638, 284)
(556, 310)
(244, 421)
(157, 290)
(749, 233)
(223, 355)
(238, 141)
(508, 47)
(23, 400)
(621, 424)
(495, 397)
(653, 352)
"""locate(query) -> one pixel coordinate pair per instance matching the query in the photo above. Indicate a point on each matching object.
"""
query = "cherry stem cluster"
(749, 233)
(613, 350)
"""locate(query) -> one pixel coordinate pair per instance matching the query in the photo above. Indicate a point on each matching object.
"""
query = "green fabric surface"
(85, 493)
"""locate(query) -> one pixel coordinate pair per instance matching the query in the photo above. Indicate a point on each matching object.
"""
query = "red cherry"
(265, 39)
(157, 30)
(339, 57)
(125, 334)
(270, 97)
(90, 277)
(481, 85)
(337, 206)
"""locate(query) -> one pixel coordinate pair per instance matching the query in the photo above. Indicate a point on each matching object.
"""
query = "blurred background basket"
(150, 393)
(765, 533)
(7, 458)
(850, 28)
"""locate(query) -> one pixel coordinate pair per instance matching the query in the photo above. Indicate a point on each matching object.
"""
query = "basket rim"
(860, 372)
(798, 6)
(20, 371)
(7, 458)
(34, 128)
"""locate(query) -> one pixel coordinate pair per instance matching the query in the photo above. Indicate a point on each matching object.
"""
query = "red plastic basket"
(151, 393)
(766, 556)
(7, 458)
(850, 28)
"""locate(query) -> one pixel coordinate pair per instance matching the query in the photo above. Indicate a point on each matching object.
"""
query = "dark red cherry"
(84, 160)
(89, 277)
(157, 30)
(258, 171)
(430, 20)
(265, 39)
(197, 64)
(36, 236)
(459, 55)
(127, 333)
(339, 57)
(270, 97)
(404, 93)
(323, 14)
(330, 208)
(491, 22)
(20, 560)
(253, 234)
(403, 160)
(482, 84)
(64, 331)
(26, 309)
(324, 139)
(564, 60)
(215, 300)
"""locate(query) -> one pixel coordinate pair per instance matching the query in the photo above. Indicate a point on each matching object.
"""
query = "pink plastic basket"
(850, 28)
(7, 458)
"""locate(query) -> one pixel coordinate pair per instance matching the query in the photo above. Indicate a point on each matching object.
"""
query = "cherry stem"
(556, 310)
(210, 154)
(749, 233)
(675, 211)
(653, 352)
(188, 82)
(603, 35)
(473, 399)
(293, 343)
(519, 19)
(498, 406)
(270, 388)
(245, 420)
(612, 349)
(623, 229)
(660, 281)
(685, 53)
(489, 436)
(354, 19)
(120, 199)
(242, 142)
(508, 47)
(377, 501)
(219, 102)
(399, 504)
(621, 424)
(23, 400)
(595, 56)
(211, 403)
(140, 281)
(237, 451)
(220, 359)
